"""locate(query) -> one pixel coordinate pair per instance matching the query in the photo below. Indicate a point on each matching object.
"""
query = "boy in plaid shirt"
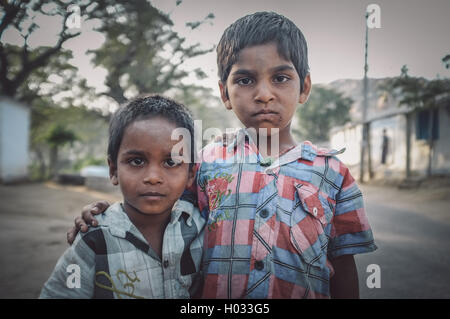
(149, 246)
(282, 222)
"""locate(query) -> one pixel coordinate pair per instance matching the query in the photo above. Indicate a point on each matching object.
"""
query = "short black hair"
(261, 28)
(144, 107)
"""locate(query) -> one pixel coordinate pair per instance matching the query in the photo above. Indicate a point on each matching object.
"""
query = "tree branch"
(28, 66)
(11, 12)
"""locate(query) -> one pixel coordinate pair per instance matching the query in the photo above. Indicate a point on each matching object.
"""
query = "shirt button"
(166, 263)
(264, 213)
(259, 265)
(315, 211)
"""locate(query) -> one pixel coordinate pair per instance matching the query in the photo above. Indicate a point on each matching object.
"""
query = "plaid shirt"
(272, 230)
(115, 260)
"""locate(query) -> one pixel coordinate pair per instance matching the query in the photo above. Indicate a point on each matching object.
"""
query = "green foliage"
(21, 18)
(87, 161)
(59, 135)
(53, 127)
(417, 92)
(324, 109)
(141, 52)
(207, 107)
(47, 118)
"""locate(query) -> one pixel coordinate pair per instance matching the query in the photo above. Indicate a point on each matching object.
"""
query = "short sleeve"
(350, 230)
(73, 276)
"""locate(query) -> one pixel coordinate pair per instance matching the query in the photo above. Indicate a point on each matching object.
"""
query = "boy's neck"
(285, 141)
(152, 226)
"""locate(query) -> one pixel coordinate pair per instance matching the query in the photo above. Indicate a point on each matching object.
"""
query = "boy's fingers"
(81, 225)
(86, 214)
(101, 207)
(71, 234)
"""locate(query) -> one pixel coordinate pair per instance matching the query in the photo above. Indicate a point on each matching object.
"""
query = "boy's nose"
(153, 176)
(264, 93)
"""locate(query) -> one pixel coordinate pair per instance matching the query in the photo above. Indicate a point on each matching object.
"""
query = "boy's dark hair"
(261, 28)
(145, 107)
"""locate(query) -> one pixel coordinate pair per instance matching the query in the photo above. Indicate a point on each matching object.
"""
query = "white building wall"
(350, 137)
(14, 137)
(396, 132)
(441, 156)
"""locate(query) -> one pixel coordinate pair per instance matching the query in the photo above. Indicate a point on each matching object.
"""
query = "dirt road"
(34, 219)
(411, 229)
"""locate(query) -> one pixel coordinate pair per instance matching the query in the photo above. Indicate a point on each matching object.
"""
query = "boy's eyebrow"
(134, 152)
(243, 72)
(142, 153)
(284, 67)
(280, 68)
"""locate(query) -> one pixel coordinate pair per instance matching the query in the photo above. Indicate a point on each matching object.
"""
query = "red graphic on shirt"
(217, 191)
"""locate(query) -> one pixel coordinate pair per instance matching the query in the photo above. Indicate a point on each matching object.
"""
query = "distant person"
(281, 227)
(384, 147)
(150, 244)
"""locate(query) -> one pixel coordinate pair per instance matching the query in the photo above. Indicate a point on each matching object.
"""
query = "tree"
(141, 52)
(446, 61)
(19, 63)
(324, 109)
(58, 136)
(420, 94)
(52, 127)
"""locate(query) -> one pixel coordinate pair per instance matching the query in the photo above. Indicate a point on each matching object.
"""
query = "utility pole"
(365, 127)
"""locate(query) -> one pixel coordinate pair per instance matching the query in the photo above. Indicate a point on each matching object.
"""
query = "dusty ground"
(411, 228)
(34, 219)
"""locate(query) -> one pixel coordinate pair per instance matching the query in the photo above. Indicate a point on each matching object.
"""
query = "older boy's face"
(263, 88)
(150, 180)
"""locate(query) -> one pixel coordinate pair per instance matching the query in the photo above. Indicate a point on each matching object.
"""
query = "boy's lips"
(152, 194)
(266, 115)
(264, 112)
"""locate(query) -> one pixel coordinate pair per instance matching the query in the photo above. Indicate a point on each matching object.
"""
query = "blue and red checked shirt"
(274, 227)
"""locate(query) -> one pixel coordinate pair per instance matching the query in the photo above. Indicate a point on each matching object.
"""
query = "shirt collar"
(305, 150)
(180, 207)
(119, 223)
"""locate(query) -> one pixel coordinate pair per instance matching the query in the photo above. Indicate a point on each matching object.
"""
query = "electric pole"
(365, 126)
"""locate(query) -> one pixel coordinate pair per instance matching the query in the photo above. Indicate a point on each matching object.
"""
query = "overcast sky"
(412, 32)
(416, 33)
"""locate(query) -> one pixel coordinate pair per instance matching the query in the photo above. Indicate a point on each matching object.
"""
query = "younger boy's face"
(150, 180)
(263, 88)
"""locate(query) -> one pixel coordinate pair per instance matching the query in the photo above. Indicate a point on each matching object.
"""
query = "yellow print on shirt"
(128, 286)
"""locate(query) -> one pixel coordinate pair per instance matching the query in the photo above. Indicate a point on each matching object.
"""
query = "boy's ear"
(306, 89)
(113, 172)
(224, 95)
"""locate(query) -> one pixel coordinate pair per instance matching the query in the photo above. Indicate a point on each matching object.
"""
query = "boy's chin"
(264, 130)
(149, 209)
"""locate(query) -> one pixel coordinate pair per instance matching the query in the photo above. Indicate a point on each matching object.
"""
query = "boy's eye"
(136, 162)
(244, 81)
(173, 162)
(281, 78)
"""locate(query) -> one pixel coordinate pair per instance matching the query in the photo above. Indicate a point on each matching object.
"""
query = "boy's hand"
(87, 218)
(344, 283)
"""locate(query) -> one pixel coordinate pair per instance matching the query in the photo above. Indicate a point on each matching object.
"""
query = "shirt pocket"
(310, 219)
